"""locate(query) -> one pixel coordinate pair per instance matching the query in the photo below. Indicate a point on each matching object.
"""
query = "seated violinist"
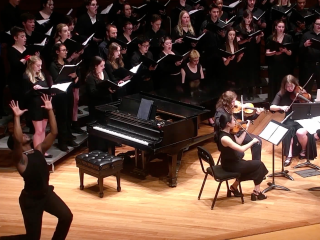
(232, 154)
(282, 102)
(226, 104)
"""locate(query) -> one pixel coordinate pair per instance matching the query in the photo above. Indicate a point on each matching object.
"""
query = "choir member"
(63, 102)
(232, 151)
(10, 15)
(127, 16)
(183, 28)
(143, 81)
(291, 147)
(111, 32)
(169, 73)
(223, 15)
(251, 6)
(116, 9)
(17, 62)
(34, 80)
(310, 56)
(115, 62)
(192, 73)
(97, 94)
(231, 69)
(281, 6)
(279, 62)
(155, 34)
(251, 59)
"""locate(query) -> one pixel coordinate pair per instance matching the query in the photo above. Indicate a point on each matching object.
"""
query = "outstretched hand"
(47, 102)
(15, 108)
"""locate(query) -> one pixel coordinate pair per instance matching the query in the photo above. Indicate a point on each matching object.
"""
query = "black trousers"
(255, 148)
(32, 209)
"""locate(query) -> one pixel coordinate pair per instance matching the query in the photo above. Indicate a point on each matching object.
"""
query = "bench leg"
(100, 181)
(118, 182)
(81, 179)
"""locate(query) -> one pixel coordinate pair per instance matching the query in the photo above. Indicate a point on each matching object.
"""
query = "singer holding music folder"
(292, 146)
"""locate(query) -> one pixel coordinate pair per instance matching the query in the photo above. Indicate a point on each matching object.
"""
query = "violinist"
(282, 102)
(226, 105)
(232, 152)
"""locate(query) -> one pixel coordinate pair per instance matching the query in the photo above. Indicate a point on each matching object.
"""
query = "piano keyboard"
(120, 135)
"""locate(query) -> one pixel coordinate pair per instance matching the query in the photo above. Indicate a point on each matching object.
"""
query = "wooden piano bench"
(99, 164)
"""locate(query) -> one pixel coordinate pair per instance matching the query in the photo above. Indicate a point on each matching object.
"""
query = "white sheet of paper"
(49, 32)
(107, 9)
(70, 11)
(277, 135)
(124, 83)
(42, 21)
(268, 131)
(135, 69)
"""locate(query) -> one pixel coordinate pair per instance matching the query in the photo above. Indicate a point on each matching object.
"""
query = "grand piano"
(173, 128)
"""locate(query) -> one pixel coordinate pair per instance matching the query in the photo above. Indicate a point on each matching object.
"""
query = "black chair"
(217, 173)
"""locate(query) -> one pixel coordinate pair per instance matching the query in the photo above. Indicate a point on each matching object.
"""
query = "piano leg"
(111, 149)
(172, 176)
(138, 171)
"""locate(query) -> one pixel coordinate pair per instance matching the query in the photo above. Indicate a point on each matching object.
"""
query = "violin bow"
(308, 81)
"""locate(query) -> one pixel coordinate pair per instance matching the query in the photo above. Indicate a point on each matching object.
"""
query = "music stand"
(306, 111)
(274, 132)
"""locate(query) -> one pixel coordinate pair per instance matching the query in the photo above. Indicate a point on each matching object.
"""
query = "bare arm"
(48, 141)
(240, 139)
(17, 155)
(183, 75)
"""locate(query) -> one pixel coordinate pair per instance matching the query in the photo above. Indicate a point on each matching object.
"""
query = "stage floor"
(149, 209)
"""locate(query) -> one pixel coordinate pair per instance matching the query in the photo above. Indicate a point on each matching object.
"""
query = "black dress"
(231, 161)
(15, 79)
(33, 99)
(184, 46)
(231, 70)
(284, 100)
(278, 67)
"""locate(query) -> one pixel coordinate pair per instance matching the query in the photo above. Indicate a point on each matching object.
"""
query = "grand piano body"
(174, 128)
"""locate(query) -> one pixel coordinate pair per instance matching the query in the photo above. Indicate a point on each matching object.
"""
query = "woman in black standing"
(232, 154)
(251, 59)
(97, 92)
(279, 62)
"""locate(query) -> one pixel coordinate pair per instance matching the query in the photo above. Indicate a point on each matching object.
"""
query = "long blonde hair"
(115, 63)
(29, 72)
(179, 26)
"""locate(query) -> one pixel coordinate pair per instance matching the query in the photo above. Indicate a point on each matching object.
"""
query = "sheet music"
(311, 125)
(107, 9)
(277, 135)
(124, 83)
(268, 131)
(135, 69)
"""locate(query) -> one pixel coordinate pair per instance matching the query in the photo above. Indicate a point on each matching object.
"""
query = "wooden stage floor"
(149, 209)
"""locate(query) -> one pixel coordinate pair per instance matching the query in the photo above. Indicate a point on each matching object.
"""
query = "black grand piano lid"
(164, 104)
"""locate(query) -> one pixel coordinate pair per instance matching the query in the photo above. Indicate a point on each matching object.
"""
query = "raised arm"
(48, 141)
(17, 155)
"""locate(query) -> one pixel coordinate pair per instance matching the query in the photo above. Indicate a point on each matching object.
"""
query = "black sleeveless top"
(36, 175)
(191, 76)
(228, 155)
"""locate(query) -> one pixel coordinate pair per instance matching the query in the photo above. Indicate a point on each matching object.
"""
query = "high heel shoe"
(257, 196)
(287, 162)
(235, 192)
(302, 156)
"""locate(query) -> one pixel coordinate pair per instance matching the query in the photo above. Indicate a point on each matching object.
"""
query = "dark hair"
(235, 43)
(288, 79)
(14, 31)
(274, 31)
(27, 16)
(155, 17)
(246, 13)
(95, 61)
(318, 133)
(163, 39)
(142, 39)
(87, 2)
(43, 3)
(245, 4)
(69, 20)
(212, 6)
(10, 142)
(56, 48)
(127, 23)
(220, 124)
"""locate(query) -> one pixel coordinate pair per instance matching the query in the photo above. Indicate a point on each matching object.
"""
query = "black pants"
(32, 210)
(255, 148)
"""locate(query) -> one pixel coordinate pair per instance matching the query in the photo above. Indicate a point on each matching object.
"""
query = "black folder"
(301, 16)
(226, 54)
(257, 14)
(56, 88)
(275, 46)
(189, 39)
(315, 43)
(109, 84)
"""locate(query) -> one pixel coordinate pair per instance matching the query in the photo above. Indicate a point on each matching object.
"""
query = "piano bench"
(99, 164)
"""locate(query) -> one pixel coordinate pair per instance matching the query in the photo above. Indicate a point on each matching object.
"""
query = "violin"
(248, 108)
(238, 126)
(300, 94)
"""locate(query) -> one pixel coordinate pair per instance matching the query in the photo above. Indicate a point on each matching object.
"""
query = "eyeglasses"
(318, 24)
(64, 50)
(146, 46)
(94, 5)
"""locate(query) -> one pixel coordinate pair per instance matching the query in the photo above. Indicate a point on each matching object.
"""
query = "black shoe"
(235, 192)
(287, 162)
(76, 129)
(63, 146)
(72, 143)
(257, 196)
(46, 155)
